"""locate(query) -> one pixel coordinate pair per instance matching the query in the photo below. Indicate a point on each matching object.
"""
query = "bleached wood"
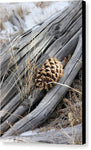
(69, 135)
(52, 98)
(56, 37)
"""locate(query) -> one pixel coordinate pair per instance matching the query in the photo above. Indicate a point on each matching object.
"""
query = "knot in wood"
(49, 73)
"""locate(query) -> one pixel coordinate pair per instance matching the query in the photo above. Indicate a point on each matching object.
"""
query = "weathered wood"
(70, 135)
(43, 31)
(8, 109)
(18, 114)
(67, 49)
(37, 42)
(6, 92)
(53, 97)
(11, 81)
(56, 37)
(35, 33)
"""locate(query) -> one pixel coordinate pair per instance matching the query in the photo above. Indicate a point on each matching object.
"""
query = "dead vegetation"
(1, 25)
(42, 4)
(22, 11)
(26, 83)
(67, 113)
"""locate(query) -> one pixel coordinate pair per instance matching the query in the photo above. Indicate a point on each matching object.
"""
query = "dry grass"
(26, 82)
(22, 11)
(12, 114)
(1, 25)
(65, 85)
(4, 14)
(15, 131)
(42, 4)
(69, 112)
(28, 79)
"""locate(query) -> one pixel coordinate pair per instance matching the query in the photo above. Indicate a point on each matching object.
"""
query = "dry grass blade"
(7, 112)
(75, 90)
(12, 127)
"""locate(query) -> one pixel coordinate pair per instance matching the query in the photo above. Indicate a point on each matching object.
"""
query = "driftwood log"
(50, 36)
(70, 135)
(58, 36)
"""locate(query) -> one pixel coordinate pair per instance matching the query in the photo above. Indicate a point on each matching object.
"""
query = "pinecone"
(50, 72)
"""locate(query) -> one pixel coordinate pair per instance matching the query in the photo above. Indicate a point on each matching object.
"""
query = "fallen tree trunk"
(35, 44)
(53, 97)
(56, 37)
(18, 114)
(6, 112)
(70, 135)
(67, 49)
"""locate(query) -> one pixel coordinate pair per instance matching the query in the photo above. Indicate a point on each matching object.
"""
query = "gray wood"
(24, 108)
(67, 49)
(53, 97)
(21, 65)
(8, 109)
(56, 37)
(44, 31)
(69, 135)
